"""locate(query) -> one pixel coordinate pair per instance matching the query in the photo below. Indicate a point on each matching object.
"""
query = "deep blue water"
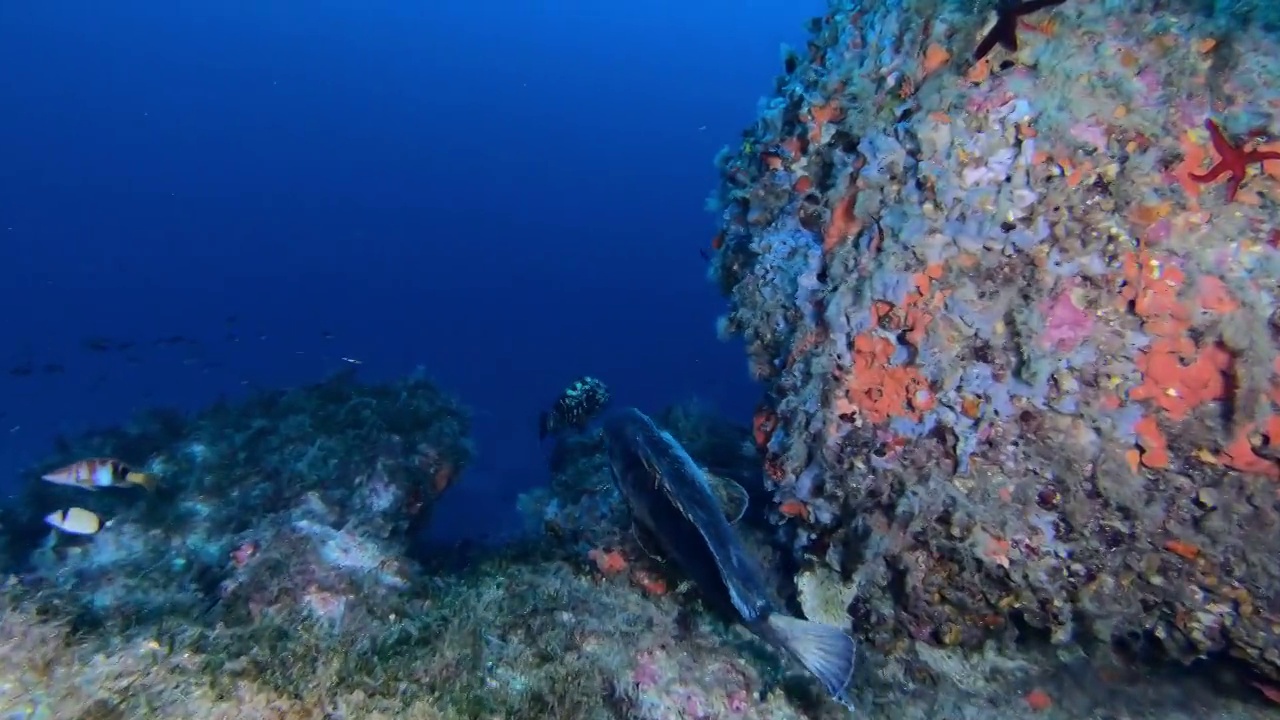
(506, 194)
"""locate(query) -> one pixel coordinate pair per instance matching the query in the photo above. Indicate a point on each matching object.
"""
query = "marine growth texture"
(1016, 311)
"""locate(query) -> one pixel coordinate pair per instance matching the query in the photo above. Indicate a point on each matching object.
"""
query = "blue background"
(506, 194)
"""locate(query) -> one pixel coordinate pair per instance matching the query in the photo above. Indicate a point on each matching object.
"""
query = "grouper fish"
(673, 502)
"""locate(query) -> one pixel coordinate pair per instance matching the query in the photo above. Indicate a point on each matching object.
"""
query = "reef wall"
(1017, 318)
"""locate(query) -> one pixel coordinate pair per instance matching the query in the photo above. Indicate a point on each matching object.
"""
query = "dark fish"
(673, 500)
(99, 344)
(576, 406)
(105, 344)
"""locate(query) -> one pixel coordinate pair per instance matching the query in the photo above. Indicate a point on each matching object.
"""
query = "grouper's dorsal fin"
(732, 497)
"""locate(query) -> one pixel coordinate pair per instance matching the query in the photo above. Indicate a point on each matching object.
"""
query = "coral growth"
(1021, 364)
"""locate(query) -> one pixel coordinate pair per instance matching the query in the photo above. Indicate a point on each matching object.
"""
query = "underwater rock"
(291, 506)
(1016, 322)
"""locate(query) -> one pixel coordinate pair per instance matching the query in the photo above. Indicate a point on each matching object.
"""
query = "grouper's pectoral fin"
(732, 497)
(650, 462)
(646, 540)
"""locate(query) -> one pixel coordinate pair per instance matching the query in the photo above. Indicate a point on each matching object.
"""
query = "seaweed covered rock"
(1016, 312)
(290, 510)
(523, 636)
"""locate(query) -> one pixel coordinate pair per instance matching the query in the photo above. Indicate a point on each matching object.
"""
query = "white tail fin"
(825, 651)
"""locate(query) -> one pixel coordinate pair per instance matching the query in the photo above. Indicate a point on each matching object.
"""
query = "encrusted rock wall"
(1018, 326)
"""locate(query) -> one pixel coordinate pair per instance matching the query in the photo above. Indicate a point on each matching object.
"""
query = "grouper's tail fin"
(825, 651)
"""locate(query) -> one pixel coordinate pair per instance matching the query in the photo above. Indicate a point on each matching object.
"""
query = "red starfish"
(1234, 160)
